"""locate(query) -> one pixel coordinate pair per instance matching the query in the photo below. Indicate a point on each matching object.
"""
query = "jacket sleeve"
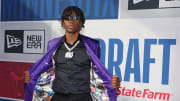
(98, 50)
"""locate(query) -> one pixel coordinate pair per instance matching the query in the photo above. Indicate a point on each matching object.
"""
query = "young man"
(79, 74)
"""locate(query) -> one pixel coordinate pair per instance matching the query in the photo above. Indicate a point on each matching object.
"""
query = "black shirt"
(72, 75)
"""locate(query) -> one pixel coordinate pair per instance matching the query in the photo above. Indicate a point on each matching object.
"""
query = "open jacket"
(45, 63)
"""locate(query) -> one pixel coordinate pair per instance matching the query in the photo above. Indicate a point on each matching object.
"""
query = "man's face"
(73, 24)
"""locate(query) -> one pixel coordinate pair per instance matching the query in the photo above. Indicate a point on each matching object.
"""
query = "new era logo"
(13, 41)
(24, 41)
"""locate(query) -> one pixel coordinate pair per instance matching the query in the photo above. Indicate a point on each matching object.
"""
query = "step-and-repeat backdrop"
(139, 42)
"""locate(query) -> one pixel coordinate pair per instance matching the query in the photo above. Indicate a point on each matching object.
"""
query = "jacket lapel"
(39, 67)
(100, 69)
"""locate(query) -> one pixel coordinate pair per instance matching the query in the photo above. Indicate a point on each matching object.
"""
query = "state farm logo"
(24, 41)
(13, 41)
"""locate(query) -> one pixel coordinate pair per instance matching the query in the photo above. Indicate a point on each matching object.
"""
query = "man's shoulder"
(55, 39)
(89, 38)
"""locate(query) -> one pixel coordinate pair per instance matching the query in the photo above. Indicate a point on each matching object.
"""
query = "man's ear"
(62, 24)
(81, 24)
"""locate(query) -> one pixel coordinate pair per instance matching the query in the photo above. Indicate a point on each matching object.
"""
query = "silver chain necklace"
(69, 53)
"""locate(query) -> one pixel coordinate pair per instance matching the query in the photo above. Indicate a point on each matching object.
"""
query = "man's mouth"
(70, 26)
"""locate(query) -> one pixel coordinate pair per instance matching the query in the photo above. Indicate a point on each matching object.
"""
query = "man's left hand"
(115, 82)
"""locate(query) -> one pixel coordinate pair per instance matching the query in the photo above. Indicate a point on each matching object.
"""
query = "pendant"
(68, 54)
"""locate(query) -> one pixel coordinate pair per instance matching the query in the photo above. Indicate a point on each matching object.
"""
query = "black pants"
(71, 97)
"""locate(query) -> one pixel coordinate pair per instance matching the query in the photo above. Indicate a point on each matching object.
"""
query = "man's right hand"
(27, 77)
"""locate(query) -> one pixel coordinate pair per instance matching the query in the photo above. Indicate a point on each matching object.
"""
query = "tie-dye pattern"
(43, 90)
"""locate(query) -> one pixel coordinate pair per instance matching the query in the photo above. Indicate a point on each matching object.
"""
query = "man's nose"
(71, 21)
